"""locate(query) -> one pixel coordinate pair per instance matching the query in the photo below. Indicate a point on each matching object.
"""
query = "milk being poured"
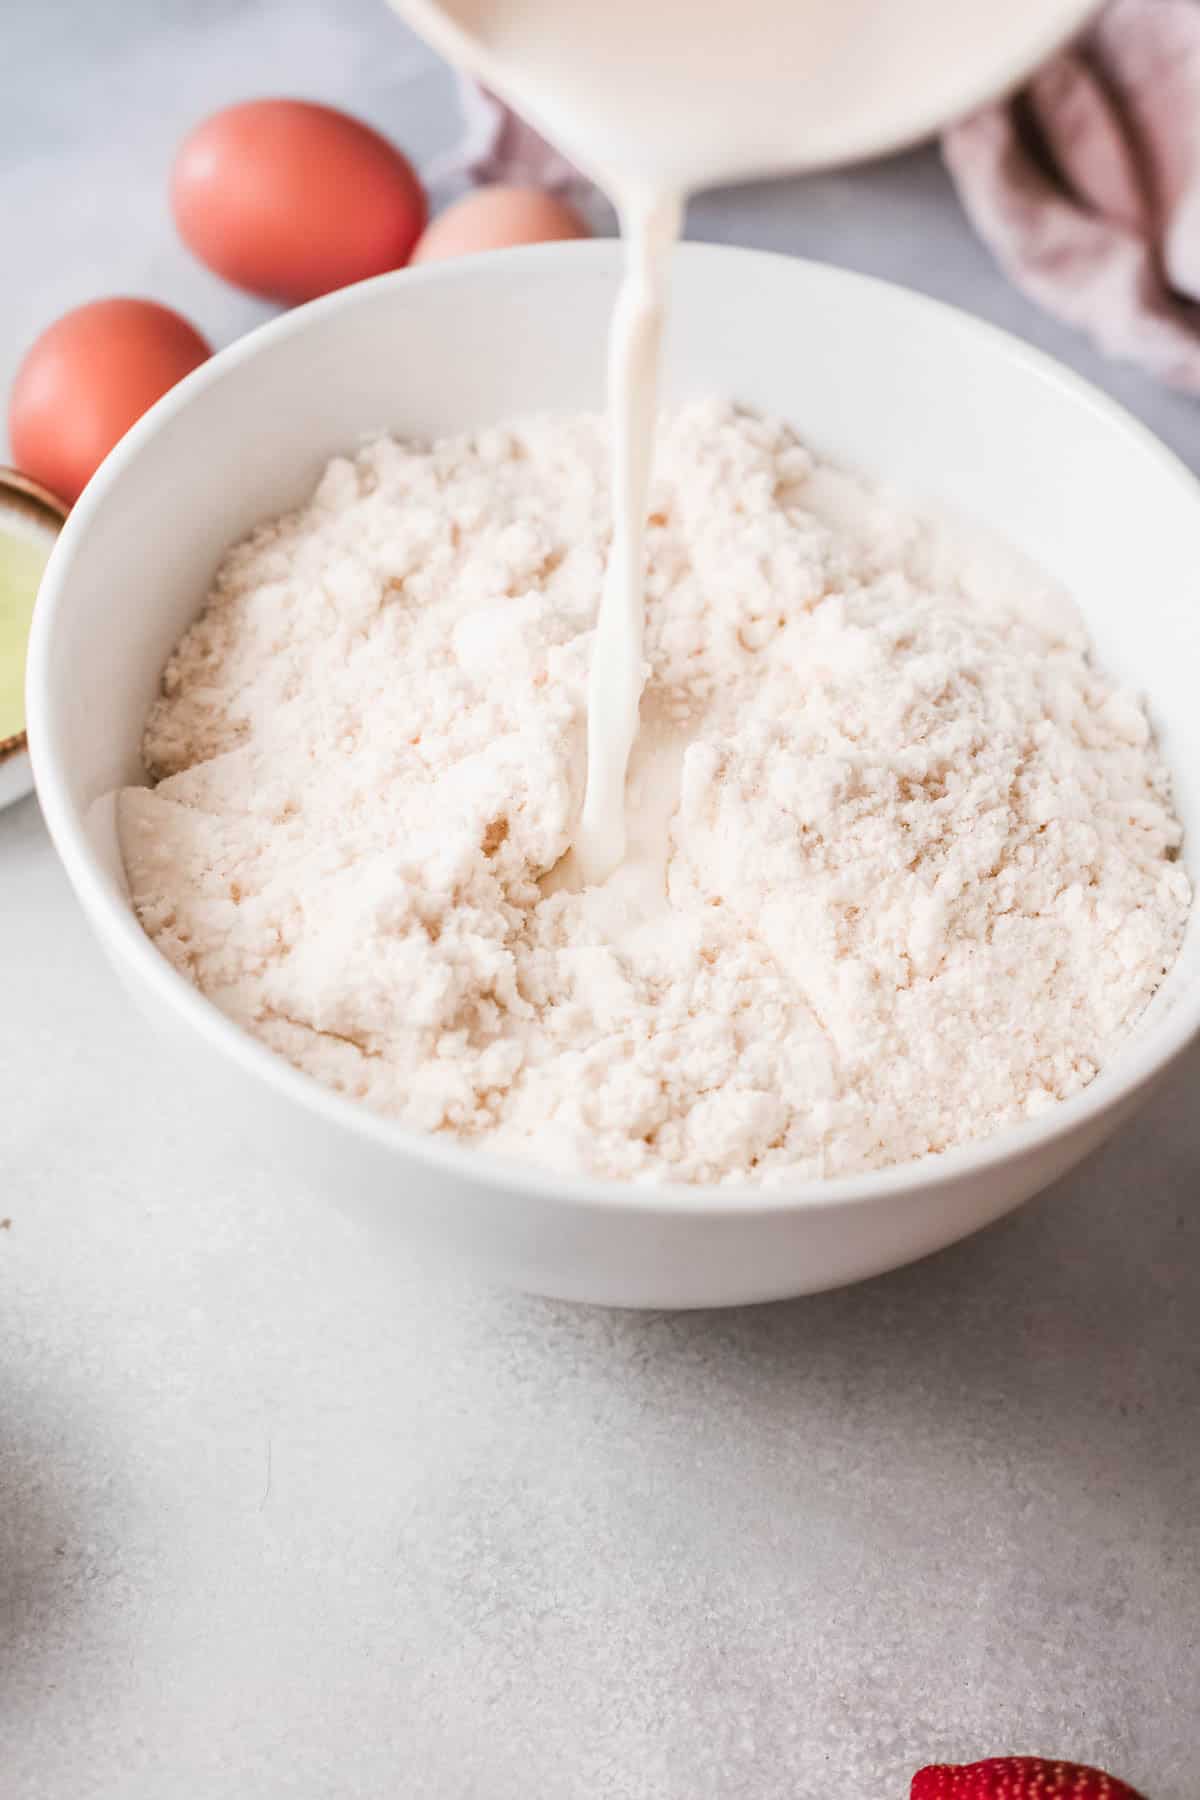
(650, 224)
(656, 98)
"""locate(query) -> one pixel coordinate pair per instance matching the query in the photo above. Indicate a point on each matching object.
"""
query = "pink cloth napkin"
(1085, 185)
(499, 146)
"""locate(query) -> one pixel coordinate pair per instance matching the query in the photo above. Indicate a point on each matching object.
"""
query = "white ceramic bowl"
(874, 375)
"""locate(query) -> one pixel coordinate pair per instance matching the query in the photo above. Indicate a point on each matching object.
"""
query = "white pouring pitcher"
(675, 95)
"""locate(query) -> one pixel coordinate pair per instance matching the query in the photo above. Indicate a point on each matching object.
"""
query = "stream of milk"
(650, 225)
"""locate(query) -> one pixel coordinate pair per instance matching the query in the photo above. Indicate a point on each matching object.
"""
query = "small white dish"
(950, 409)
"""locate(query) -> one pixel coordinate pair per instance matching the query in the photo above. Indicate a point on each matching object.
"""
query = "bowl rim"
(1145, 1056)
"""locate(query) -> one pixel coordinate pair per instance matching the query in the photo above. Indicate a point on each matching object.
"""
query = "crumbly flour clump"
(905, 859)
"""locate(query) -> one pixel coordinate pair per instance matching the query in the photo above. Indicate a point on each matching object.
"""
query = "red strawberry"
(1017, 1778)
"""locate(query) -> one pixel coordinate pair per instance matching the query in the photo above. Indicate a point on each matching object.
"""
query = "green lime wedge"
(22, 559)
(30, 520)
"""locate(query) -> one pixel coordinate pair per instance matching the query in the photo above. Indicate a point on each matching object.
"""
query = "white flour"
(919, 882)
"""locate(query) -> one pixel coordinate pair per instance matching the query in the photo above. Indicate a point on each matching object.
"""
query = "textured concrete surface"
(279, 1520)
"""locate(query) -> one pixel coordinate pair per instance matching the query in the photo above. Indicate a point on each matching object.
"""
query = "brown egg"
(289, 200)
(494, 218)
(85, 381)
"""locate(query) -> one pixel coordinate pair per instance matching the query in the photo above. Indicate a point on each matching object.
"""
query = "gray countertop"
(279, 1519)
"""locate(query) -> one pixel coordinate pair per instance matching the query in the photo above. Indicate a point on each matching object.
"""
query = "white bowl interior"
(944, 407)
